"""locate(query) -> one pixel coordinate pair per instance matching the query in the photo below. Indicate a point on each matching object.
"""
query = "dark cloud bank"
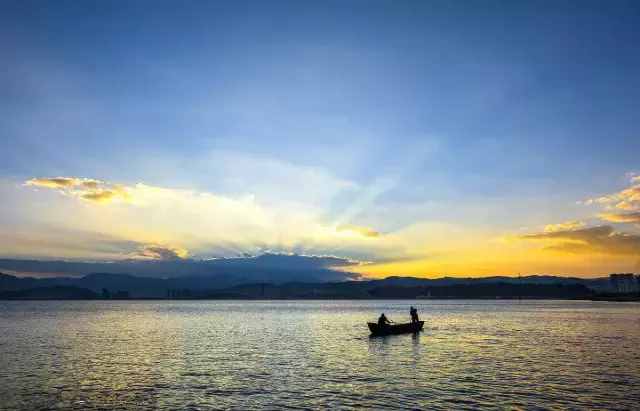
(168, 277)
(272, 268)
(601, 239)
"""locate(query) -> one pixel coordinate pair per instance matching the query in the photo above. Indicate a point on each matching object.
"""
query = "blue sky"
(488, 116)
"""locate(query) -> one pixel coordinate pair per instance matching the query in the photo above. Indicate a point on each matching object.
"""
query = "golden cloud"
(102, 195)
(99, 196)
(84, 188)
(597, 240)
(627, 199)
(621, 217)
(91, 184)
(61, 182)
(567, 225)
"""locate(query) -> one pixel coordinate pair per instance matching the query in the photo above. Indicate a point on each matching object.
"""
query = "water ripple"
(317, 355)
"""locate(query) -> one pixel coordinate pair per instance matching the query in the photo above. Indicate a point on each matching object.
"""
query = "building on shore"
(624, 283)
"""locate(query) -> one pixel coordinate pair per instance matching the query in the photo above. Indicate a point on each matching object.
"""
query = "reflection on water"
(311, 354)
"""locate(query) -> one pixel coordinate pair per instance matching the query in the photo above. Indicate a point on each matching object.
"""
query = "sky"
(420, 138)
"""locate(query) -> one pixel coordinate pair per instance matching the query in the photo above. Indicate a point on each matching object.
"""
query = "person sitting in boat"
(414, 315)
(383, 320)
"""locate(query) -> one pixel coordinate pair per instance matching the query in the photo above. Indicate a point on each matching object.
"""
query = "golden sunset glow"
(151, 222)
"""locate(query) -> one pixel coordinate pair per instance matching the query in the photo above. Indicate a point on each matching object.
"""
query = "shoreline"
(594, 298)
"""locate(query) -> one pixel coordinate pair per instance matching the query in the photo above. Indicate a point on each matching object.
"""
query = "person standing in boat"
(383, 320)
(414, 314)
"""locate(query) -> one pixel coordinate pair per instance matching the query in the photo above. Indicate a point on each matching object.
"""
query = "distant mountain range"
(107, 285)
(263, 276)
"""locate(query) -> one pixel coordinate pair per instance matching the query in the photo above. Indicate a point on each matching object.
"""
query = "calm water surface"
(312, 354)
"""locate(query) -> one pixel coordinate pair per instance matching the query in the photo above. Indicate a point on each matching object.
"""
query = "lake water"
(317, 354)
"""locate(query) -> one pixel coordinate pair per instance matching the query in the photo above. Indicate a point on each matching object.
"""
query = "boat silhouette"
(391, 329)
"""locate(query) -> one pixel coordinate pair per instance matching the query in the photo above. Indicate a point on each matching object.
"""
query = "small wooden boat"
(390, 329)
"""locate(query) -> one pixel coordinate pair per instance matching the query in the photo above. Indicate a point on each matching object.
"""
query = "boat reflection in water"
(391, 329)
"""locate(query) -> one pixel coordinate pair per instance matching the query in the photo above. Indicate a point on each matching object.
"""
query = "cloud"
(627, 199)
(60, 182)
(567, 225)
(105, 195)
(600, 240)
(64, 242)
(580, 234)
(621, 217)
(99, 196)
(268, 178)
(84, 188)
(157, 252)
(208, 225)
(91, 184)
(363, 231)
